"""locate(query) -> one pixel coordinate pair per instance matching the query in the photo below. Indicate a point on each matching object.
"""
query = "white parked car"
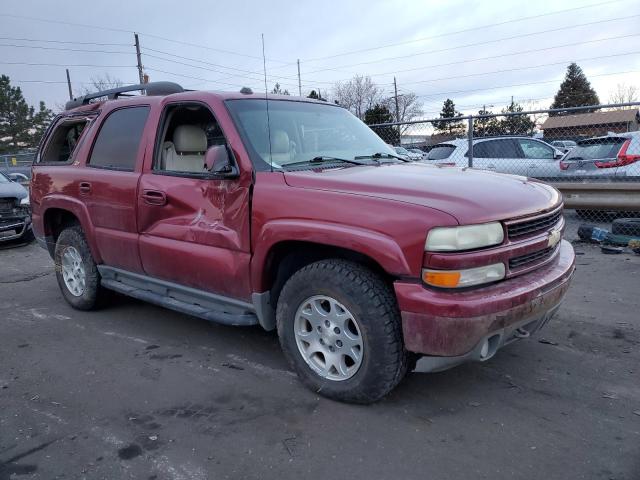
(563, 145)
(408, 154)
(617, 154)
(516, 155)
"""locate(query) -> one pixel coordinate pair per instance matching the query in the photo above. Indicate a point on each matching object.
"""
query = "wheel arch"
(58, 215)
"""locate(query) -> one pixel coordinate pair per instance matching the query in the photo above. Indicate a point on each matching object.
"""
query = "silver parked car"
(617, 154)
(563, 145)
(516, 155)
(408, 154)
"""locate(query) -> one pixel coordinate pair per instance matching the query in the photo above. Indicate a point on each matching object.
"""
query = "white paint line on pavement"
(50, 415)
(259, 366)
(125, 337)
(35, 314)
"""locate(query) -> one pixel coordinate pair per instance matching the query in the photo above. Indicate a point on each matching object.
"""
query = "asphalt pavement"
(136, 391)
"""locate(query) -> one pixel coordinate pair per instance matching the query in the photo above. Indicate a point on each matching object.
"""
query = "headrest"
(279, 142)
(189, 139)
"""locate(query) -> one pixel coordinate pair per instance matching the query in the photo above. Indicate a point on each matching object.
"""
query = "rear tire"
(76, 271)
(359, 363)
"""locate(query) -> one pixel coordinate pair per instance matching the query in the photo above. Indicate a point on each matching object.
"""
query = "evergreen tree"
(575, 91)
(40, 121)
(316, 95)
(381, 114)
(449, 124)
(277, 90)
(485, 126)
(515, 124)
(15, 118)
(20, 125)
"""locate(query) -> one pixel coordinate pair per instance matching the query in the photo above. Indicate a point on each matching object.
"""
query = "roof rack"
(150, 89)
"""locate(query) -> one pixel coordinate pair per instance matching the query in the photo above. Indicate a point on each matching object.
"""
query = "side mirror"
(217, 160)
(558, 155)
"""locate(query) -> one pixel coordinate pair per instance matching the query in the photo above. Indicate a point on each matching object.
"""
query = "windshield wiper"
(323, 159)
(382, 155)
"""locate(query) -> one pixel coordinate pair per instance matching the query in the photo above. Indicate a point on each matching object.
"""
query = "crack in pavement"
(27, 279)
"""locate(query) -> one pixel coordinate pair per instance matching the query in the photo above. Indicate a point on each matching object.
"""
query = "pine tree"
(516, 124)
(381, 114)
(449, 114)
(20, 125)
(277, 90)
(575, 91)
(316, 95)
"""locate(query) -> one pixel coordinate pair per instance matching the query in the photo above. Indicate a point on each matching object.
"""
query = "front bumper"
(456, 323)
(19, 224)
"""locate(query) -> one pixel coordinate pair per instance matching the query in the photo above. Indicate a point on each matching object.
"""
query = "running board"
(191, 301)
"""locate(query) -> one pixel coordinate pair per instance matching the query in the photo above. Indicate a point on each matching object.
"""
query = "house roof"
(596, 118)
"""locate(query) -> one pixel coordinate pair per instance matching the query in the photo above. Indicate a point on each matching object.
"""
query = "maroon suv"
(293, 215)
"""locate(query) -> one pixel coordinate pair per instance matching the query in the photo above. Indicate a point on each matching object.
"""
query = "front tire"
(340, 330)
(76, 271)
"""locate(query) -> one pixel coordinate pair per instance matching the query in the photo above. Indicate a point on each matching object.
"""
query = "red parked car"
(293, 215)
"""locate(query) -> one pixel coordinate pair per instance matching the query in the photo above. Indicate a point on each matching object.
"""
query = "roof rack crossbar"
(151, 89)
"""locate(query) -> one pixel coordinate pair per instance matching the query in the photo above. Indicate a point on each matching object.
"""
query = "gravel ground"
(135, 391)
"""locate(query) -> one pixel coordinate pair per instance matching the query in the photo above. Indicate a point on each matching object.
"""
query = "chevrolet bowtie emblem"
(554, 237)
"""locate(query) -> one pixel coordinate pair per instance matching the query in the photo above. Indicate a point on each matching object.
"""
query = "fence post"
(470, 137)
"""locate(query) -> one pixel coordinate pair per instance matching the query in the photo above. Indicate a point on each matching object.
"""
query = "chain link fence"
(591, 154)
(19, 163)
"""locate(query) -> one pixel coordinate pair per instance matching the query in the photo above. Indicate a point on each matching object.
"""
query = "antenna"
(266, 99)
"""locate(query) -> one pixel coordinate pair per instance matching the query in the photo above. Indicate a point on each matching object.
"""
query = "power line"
(38, 47)
(466, 30)
(242, 72)
(503, 55)
(122, 30)
(37, 64)
(475, 44)
(518, 85)
(564, 62)
(65, 41)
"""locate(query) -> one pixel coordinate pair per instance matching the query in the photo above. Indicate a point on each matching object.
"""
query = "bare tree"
(357, 95)
(409, 108)
(101, 82)
(624, 93)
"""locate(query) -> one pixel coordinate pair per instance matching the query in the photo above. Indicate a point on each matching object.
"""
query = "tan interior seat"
(186, 152)
(281, 151)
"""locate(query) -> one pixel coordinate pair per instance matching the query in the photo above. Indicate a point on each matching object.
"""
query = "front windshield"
(3, 179)
(301, 131)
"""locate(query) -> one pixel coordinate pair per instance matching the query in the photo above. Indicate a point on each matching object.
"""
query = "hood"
(12, 190)
(471, 196)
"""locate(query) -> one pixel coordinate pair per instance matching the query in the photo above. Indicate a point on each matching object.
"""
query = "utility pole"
(139, 58)
(299, 82)
(69, 85)
(395, 88)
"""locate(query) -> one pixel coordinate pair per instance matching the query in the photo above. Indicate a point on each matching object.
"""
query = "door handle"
(84, 187)
(154, 197)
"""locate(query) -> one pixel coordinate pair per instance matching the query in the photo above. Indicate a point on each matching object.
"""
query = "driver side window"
(189, 130)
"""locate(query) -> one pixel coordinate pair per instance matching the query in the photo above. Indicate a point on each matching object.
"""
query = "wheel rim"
(328, 338)
(73, 271)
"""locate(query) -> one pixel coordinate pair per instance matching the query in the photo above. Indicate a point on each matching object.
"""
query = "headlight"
(451, 239)
(463, 278)
(25, 201)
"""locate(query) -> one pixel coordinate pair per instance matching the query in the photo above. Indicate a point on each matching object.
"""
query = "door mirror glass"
(217, 160)
(558, 155)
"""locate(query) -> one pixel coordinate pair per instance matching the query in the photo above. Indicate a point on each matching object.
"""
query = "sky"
(476, 53)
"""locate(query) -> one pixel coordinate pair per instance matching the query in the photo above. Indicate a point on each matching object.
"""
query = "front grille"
(530, 258)
(7, 204)
(540, 223)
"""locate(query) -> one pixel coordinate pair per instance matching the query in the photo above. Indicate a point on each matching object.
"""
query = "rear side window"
(533, 149)
(596, 148)
(440, 152)
(63, 141)
(119, 138)
(496, 149)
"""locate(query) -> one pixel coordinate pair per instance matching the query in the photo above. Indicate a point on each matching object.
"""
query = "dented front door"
(195, 232)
